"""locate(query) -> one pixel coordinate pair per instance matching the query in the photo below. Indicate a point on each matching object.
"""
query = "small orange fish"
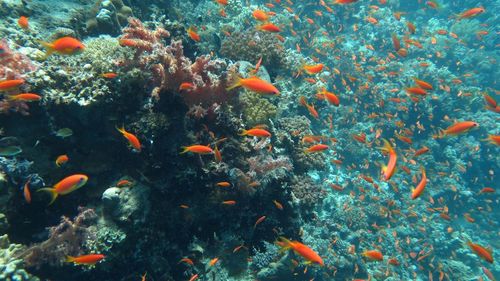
(456, 129)
(193, 35)
(260, 15)
(259, 220)
(373, 255)
(313, 69)
(63, 46)
(133, 141)
(389, 169)
(256, 132)
(269, 27)
(420, 187)
(66, 186)
(25, 97)
(471, 13)
(186, 86)
(186, 260)
(493, 139)
(26, 191)
(421, 151)
(124, 183)
(255, 84)
(198, 149)
(194, 277)
(416, 91)
(278, 205)
(223, 184)
(23, 22)
(330, 97)
(422, 84)
(86, 259)
(61, 160)
(487, 190)
(307, 253)
(213, 261)
(7, 85)
(481, 252)
(316, 148)
(109, 75)
(229, 202)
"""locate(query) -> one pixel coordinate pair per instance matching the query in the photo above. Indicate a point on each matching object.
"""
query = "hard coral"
(13, 65)
(256, 109)
(170, 68)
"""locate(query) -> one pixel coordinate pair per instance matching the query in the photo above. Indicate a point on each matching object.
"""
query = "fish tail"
(48, 47)
(236, 84)
(387, 146)
(52, 192)
(70, 259)
(440, 134)
(121, 130)
(184, 150)
(284, 244)
(243, 133)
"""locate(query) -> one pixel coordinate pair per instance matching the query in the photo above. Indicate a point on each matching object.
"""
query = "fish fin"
(121, 130)
(70, 259)
(184, 150)
(243, 133)
(236, 84)
(48, 47)
(52, 192)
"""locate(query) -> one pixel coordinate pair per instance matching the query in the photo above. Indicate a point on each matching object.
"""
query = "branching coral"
(65, 239)
(169, 67)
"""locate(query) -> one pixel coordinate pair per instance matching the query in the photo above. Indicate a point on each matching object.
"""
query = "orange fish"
(471, 13)
(278, 205)
(186, 86)
(198, 149)
(482, 252)
(330, 97)
(389, 169)
(416, 91)
(373, 255)
(213, 261)
(421, 151)
(229, 202)
(7, 85)
(222, 2)
(255, 84)
(456, 129)
(422, 84)
(316, 148)
(26, 97)
(63, 46)
(61, 160)
(313, 69)
(194, 277)
(344, 1)
(193, 35)
(133, 141)
(109, 75)
(307, 253)
(124, 183)
(187, 260)
(487, 190)
(493, 139)
(223, 184)
(86, 259)
(26, 191)
(256, 132)
(23, 22)
(310, 107)
(260, 15)
(420, 187)
(259, 220)
(66, 186)
(269, 27)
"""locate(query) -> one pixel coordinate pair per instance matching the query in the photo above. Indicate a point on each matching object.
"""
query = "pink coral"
(13, 65)
(170, 68)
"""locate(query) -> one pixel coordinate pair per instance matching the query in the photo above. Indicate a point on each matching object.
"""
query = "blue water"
(249, 140)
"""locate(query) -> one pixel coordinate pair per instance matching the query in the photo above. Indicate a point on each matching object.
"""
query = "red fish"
(344, 1)
(471, 13)
(256, 132)
(63, 46)
(316, 148)
(313, 69)
(86, 259)
(26, 97)
(456, 129)
(255, 84)
(26, 191)
(420, 187)
(373, 255)
(61, 160)
(7, 85)
(422, 84)
(66, 186)
(388, 171)
(23, 22)
(198, 149)
(109, 75)
(416, 91)
(133, 141)
(269, 27)
(193, 35)
(481, 252)
(307, 253)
